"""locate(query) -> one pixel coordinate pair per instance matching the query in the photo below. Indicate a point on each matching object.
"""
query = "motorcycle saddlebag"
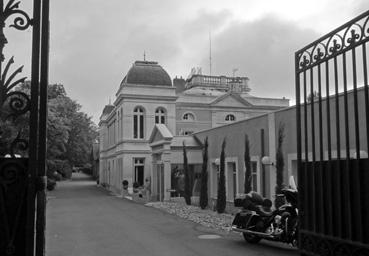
(238, 202)
(241, 219)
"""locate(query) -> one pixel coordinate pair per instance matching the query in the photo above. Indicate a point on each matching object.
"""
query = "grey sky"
(94, 42)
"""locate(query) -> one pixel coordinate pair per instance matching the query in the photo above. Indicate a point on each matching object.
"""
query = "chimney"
(179, 84)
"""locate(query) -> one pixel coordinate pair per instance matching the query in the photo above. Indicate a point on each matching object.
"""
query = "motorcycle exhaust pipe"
(261, 234)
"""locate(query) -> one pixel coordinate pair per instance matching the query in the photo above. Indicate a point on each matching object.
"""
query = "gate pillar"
(23, 114)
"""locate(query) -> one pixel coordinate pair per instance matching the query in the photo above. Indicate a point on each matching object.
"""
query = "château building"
(143, 131)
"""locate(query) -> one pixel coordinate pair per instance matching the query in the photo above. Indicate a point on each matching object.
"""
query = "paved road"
(85, 220)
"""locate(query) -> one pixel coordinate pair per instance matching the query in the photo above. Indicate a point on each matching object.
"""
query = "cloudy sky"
(94, 42)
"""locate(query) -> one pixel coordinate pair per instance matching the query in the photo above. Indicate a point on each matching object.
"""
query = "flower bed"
(205, 217)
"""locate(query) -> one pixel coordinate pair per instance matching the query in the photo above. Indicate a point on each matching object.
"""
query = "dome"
(148, 73)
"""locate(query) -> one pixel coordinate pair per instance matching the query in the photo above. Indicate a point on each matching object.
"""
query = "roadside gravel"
(205, 217)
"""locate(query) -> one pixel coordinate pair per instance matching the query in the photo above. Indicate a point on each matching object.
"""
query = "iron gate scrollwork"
(332, 114)
(23, 113)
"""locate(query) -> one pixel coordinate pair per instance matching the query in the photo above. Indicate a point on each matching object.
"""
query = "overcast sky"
(94, 42)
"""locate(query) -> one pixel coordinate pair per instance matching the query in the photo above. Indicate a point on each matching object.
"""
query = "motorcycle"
(258, 221)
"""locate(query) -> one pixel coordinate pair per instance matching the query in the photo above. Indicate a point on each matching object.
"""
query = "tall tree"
(187, 189)
(204, 176)
(70, 132)
(247, 160)
(279, 164)
(221, 200)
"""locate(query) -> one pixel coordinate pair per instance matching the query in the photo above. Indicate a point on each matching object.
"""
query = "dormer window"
(230, 118)
(188, 117)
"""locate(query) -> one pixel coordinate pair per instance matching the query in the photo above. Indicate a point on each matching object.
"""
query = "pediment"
(160, 133)
(157, 136)
(230, 100)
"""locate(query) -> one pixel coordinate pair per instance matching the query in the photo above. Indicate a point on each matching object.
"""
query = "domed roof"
(148, 73)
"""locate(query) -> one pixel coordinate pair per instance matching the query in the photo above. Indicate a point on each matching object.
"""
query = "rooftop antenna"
(144, 55)
(210, 51)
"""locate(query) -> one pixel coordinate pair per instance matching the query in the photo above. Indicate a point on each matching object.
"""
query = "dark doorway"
(139, 175)
(139, 170)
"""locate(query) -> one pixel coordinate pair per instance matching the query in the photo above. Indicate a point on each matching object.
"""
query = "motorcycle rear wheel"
(252, 239)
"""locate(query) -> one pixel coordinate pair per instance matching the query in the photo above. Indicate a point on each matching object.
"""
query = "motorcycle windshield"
(292, 183)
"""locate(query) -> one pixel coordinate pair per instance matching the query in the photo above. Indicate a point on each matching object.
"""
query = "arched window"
(160, 116)
(230, 118)
(138, 123)
(188, 117)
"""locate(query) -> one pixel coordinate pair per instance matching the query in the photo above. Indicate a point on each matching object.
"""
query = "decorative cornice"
(149, 97)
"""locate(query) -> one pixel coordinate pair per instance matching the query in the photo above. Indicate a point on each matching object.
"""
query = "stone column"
(167, 175)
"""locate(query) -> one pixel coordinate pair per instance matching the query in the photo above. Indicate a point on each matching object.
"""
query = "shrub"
(125, 184)
(60, 166)
(135, 186)
(51, 184)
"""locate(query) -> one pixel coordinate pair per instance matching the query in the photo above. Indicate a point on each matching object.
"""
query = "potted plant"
(125, 184)
(135, 187)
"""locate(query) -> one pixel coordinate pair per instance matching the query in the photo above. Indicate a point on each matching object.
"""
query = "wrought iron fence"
(23, 113)
(332, 114)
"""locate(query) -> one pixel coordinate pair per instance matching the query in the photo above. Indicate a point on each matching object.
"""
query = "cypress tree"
(279, 165)
(248, 177)
(221, 200)
(187, 189)
(204, 176)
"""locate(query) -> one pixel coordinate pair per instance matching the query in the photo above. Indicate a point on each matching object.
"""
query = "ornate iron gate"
(332, 114)
(23, 113)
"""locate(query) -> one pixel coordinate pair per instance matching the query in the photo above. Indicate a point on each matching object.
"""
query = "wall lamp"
(265, 160)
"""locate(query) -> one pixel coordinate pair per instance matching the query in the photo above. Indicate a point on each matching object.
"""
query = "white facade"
(129, 149)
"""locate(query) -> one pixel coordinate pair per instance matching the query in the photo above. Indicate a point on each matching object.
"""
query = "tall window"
(121, 123)
(230, 118)
(118, 132)
(138, 123)
(188, 117)
(160, 116)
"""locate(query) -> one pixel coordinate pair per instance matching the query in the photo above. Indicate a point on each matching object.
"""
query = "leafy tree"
(279, 164)
(70, 132)
(204, 176)
(81, 136)
(248, 177)
(221, 200)
(56, 90)
(187, 189)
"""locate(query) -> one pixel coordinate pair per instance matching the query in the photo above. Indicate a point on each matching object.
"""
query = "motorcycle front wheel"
(252, 239)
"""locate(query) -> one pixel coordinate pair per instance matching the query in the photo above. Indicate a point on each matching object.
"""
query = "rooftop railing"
(221, 82)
